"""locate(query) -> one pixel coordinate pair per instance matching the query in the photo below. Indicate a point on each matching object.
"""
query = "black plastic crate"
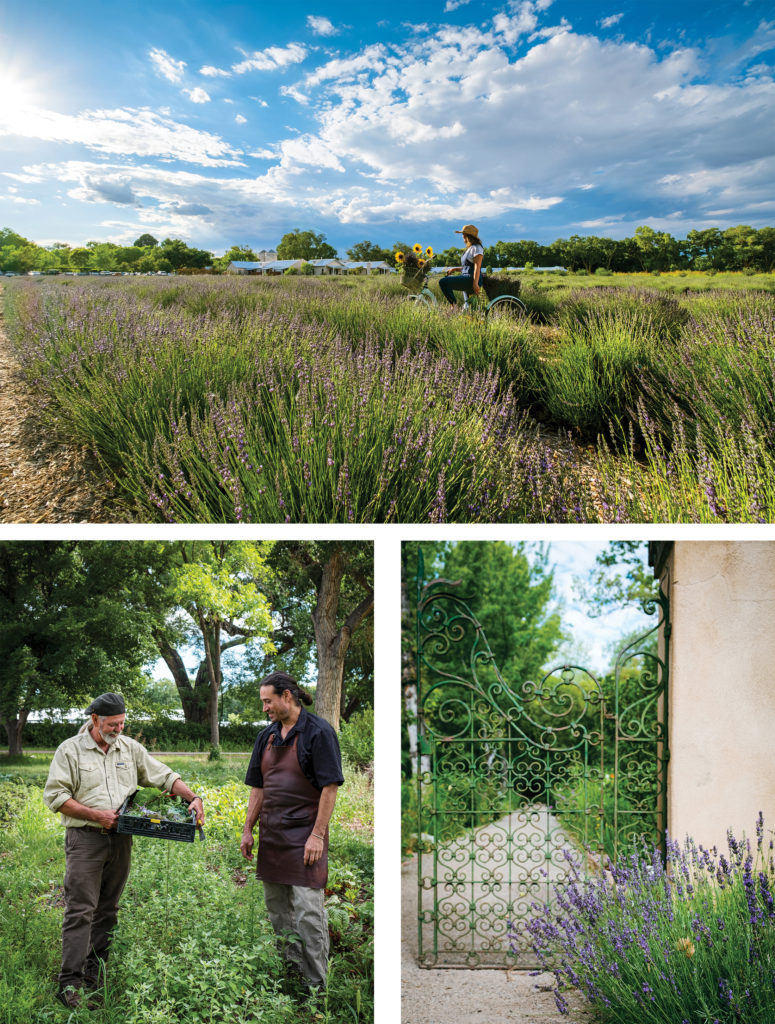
(156, 827)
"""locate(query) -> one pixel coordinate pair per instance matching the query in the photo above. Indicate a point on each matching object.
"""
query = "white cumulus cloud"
(131, 132)
(212, 72)
(197, 95)
(321, 26)
(167, 66)
(271, 59)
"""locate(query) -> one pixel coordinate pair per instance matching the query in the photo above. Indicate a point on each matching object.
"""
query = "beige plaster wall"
(722, 695)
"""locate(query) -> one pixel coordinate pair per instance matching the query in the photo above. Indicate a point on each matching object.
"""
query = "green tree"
(745, 248)
(70, 626)
(177, 254)
(511, 595)
(705, 249)
(60, 255)
(80, 259)
(218, 585)
(621, 578)
(146, 240)
(368, 252)
(658, 250)
(237, 252)
(128, 256)
(766, 250)
(304, 245)
(323, 597)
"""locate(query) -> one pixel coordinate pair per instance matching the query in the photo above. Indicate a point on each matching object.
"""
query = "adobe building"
(721, 693)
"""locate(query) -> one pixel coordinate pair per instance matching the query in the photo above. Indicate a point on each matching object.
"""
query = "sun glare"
(15, 90)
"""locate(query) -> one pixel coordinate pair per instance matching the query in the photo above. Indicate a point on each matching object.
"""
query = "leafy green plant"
(193, 943)
(356, 738)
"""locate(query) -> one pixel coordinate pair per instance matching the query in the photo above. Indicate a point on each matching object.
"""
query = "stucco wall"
(722, 690)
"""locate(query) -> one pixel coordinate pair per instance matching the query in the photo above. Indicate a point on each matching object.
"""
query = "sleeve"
(326, 758)
(61, 782)
(253, 776)
(151, 772)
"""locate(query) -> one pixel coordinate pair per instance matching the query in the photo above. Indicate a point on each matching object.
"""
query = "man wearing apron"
(294, 775)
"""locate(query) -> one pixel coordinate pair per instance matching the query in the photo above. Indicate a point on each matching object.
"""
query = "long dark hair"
(281, 681)
(474, 240)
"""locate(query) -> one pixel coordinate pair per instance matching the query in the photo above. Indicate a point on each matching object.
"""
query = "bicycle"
(503, 303)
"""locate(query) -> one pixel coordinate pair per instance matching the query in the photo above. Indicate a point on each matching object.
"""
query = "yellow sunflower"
(429, 252)
(417, 248)
(399, 257)
(421, 263)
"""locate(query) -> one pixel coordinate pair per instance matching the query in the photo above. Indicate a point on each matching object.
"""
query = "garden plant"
(193, 941)
(689, 941)
(309, 400)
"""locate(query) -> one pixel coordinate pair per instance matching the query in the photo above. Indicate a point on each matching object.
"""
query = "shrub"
(161, 734)
(356, 738)
(690, 941)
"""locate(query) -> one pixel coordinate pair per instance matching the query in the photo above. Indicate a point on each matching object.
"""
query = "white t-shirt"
(467, 263)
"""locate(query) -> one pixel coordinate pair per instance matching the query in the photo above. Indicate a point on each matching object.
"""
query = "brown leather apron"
(287, 816)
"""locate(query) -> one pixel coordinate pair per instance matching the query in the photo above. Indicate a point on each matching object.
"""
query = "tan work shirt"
(81, 771)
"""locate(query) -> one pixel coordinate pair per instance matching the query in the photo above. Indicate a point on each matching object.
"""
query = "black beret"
(107, 704)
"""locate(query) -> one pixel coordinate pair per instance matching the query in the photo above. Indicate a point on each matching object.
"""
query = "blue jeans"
(457, 283)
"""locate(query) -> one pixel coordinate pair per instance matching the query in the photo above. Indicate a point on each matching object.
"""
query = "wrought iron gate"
(509, 775)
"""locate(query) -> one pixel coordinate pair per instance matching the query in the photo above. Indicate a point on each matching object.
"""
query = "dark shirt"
(317, 751)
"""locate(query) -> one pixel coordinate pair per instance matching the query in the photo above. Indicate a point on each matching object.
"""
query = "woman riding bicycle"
(469, 278)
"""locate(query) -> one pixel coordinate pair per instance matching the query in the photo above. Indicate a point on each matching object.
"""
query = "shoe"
(70, 997)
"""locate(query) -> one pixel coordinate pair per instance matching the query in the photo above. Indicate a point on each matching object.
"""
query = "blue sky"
(592, 638)
(224, 123)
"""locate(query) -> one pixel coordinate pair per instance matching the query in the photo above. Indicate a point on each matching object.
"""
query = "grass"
(193, 942)
(304, 400)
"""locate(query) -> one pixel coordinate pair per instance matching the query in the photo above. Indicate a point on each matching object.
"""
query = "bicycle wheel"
(423, 299)
(508, 304)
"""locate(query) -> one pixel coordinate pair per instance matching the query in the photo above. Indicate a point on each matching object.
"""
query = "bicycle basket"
(497, 285)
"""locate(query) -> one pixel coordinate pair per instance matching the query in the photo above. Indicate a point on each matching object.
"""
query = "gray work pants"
(97, 867)
(299, 910)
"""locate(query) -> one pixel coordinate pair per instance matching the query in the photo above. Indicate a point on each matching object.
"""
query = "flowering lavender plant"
(371, 410)
(691, 941)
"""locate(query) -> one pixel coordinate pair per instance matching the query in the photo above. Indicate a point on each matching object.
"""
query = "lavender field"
(207, 399)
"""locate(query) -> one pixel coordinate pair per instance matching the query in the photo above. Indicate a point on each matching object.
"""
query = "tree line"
(81, 617)
(740, 248)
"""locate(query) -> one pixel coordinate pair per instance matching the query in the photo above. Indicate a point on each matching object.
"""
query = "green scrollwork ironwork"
(508, 776)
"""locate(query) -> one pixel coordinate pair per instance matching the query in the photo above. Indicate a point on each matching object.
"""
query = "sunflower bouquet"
(415, 265)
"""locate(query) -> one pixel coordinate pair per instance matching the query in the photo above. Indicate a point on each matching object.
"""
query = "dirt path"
(442, 995)
(41, 480)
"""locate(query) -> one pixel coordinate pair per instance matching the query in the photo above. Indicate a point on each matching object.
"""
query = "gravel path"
(461, 996)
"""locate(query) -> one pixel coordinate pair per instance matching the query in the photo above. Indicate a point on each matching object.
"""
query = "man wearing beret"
(91, 775)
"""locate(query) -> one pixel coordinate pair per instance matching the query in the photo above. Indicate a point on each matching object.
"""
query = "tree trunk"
(14, 728)
(213, 662)
(333, 642)
(193, 698)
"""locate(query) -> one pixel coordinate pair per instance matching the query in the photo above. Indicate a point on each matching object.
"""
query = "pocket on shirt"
(126, 776)
(90, 782)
